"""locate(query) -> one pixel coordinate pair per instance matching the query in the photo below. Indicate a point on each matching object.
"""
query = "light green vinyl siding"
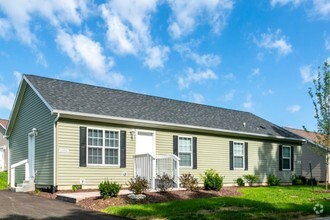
(33, 113)
(212, 152)
(68, 170)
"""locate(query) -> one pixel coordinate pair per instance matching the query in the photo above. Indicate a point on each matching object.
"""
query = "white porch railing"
(144, 168)
(169, 164)
(13, 168)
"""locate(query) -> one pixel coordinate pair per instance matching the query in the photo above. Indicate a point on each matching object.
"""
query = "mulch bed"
(151, 197)
(156, 197)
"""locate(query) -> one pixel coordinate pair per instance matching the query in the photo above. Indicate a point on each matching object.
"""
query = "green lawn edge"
(280, 202)
(3, 180)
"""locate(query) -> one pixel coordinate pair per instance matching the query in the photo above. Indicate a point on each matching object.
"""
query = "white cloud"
(197, 98)
(268, 92)
(294, 108)
(4, 28)
(207, 60)
(321, 9)
(21, 13)
(248, 103)
(230, 95)
(18, 77)
(195, 77)
(187, 15)
(285, 2)
(274, 41)
(7, 98)
(307, 74)
(255, 72)
(327, 43)
(229, 76)
(41, 60)
(156, 56)
(83, 50)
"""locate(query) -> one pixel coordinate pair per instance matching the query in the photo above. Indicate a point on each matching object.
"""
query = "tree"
(320, 96)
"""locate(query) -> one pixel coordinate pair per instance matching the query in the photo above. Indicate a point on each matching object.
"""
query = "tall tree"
(320, 96)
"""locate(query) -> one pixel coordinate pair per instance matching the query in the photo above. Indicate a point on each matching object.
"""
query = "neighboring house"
(3, 146)
(69, 133)
(312, 153)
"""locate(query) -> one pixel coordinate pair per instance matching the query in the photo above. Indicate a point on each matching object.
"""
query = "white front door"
(145, 142)
(31, 154)
(2, 161)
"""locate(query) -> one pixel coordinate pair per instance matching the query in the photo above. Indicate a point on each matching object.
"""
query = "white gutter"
(163, 124)
(55, 138)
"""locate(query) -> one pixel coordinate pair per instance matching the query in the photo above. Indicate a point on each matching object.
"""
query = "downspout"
(55, 138)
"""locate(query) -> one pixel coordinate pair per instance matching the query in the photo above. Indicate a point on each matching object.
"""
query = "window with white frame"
(185, 151)
(286, 158)
(238, 155)
(103, 147)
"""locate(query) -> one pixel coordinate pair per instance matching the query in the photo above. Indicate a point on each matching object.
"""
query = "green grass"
(3, 180)
(279, 202)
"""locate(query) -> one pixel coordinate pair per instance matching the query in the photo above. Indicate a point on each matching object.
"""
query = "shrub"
(310, 181)
(138, 185)
(75, 187)
(212, 180)
(250, 178)
(272, 180)
(298, 180)
(240, 181)
(164, 182)
(189, 182)
(109, 189)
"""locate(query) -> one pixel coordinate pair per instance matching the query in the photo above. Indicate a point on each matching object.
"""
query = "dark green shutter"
(280, 158)
(292, 158)
(194, 153)
(122, 149)
(175, 145)
(246, 156)
(231, 155)
(83, 148)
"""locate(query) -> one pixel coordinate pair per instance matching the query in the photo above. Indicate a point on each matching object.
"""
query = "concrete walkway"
(76, 197)
(26, 206)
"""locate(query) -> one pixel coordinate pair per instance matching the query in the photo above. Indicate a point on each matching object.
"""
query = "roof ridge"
(140, 94)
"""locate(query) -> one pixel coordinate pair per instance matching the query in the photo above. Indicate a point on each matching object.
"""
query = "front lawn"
(281, 202)
(3, 180)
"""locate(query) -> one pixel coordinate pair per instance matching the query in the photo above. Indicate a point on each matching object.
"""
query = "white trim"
(129, 121)
(290, 158)
(191, 151)
(4, 126)
(2, 165)
(153, 141)
(31, 153)
(38, 94)
(103, 147)
(243, 145)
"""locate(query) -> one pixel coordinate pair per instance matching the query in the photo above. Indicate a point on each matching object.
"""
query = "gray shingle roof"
(81, 98)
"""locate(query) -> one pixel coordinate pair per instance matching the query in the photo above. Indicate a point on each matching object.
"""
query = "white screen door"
(31, 154)
(145, 142)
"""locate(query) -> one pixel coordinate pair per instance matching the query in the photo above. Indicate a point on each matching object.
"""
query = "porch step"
(26, 186)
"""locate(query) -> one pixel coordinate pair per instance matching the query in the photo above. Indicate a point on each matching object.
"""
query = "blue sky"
(256, 56)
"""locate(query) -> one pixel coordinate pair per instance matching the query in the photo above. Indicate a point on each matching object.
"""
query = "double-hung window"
(185, 151)
(286, 158)
(103, 147)
(238, 155)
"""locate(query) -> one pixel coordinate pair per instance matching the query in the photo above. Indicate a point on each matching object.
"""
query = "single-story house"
(65, 133)
(3, 146)
(312, 153)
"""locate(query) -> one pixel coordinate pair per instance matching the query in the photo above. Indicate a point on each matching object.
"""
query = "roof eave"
(157, 124)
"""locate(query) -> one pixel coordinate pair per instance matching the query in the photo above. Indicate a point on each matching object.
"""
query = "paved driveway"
(27, 206)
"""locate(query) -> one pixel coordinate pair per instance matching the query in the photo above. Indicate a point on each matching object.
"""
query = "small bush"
(164, 182)
(250, 178)
(212, 180)
(298, 180)
(109, 189)
(272, 180)
(189, 182)
(240, 181)
(75, 187)
(138, 185)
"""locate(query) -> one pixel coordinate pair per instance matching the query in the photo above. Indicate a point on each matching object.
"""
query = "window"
(238, 155)
(103, 147)
(185, 151)
(286, 158)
